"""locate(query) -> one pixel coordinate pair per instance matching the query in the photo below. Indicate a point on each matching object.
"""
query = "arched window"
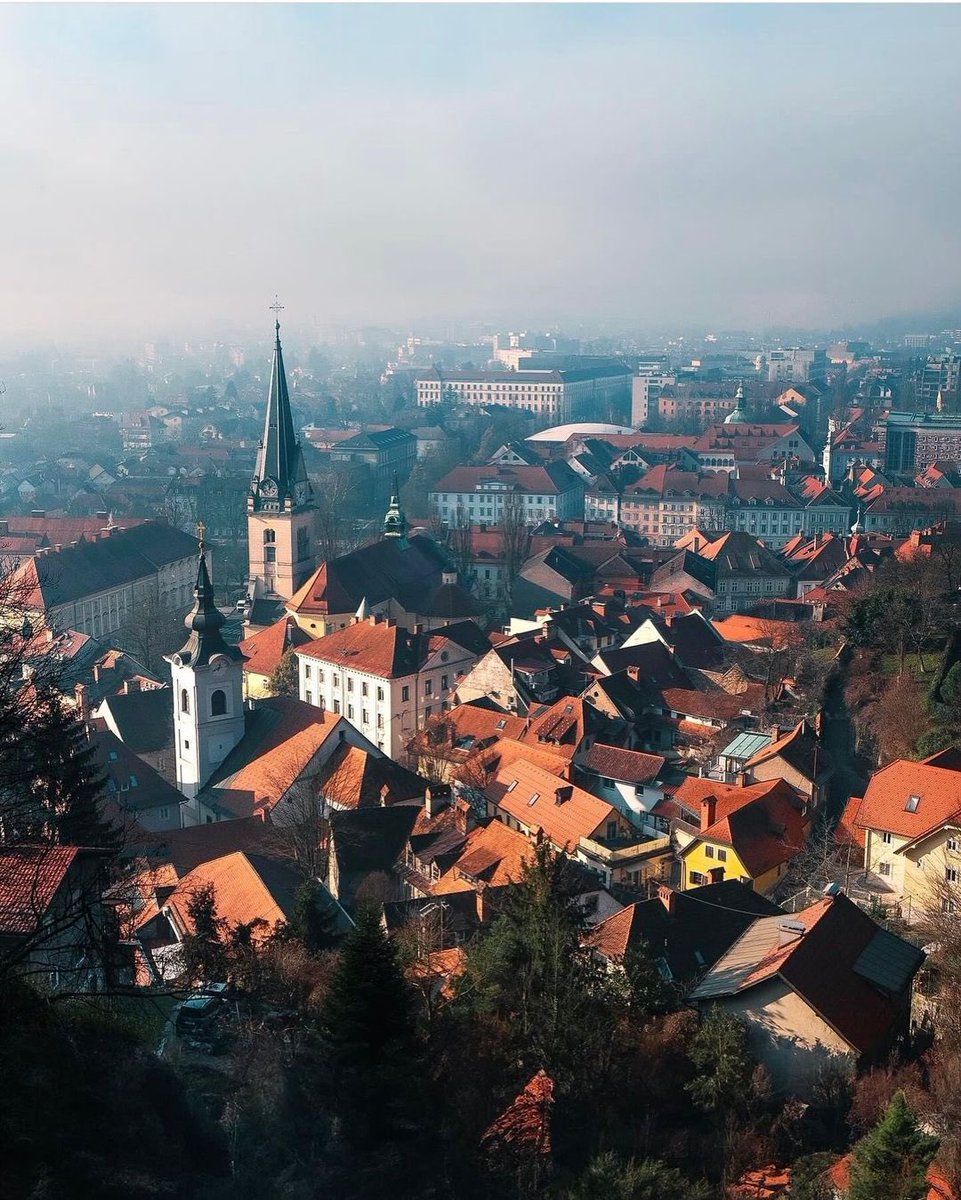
(184, 701)
(218, 703)
(269, 537)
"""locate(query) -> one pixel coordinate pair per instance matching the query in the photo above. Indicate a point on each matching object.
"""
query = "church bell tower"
(207, 685)
(281, 516)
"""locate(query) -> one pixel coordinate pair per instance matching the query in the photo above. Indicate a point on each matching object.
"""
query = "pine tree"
(313, 920)
(284, 681)
(610, 1178)
(892, 1162)
(719, 1051)
(67, 786)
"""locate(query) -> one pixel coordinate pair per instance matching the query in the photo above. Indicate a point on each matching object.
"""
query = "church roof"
(280, 458)
(405, 569)
(205, 622)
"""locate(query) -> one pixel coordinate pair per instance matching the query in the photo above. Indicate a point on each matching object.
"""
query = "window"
(912, 804)
(948, 906)
(951, 874)
(884, 869)
(535, 796)
(364, 690)
(184, 701)
(163, 814)
(269, 537)
(708, 851)
(696, 878)
(307, 670)
(886, 838)
(380, 720)
(365, 716)
(320, 676)
(722, 856)
(350, 712)
(186, 744)
(952, 843)
(336, 680)
(428, 710)
(611, 830)
(336, 706)
(444, 685)
(607, 783)
(429, 687)
(512, 785)
(350, 685)
(405, 693)
(218, 703)
(380, 693)
(309, 697)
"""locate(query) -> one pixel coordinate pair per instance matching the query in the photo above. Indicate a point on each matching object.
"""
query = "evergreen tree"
(313, 921)
(284, 681)
(892, 1162)
(719, 1052)
(62, 781)
(204, 951)
(610, 1178)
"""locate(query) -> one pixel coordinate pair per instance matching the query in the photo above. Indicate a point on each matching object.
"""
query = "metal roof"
(746, 745)
(888, 962)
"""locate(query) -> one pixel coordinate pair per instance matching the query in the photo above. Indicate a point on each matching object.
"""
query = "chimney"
(667, 897)
(634, 673)
(384, 793)
(418, 629)
(462, 815)
(96, 672)
(433, 801)
(102, 516)
(80, 693)
(481, 901)
(708, 811)
(131, 685)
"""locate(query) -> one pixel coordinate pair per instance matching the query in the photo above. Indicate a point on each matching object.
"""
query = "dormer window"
(512, 785)
(912, 804)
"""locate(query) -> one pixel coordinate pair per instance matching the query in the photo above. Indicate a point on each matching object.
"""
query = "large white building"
(556, 396)
(385, 680)
(550, 491)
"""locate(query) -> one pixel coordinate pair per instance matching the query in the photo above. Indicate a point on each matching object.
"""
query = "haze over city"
(168, 168)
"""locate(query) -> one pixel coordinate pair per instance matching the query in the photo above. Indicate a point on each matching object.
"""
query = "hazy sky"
(171, 167)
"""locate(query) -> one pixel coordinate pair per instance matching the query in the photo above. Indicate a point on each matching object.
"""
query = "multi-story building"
(912, 441)
(939, 374)
(667, 503)
(795, 365)
(479, 495)
(385, 680)
(556, 396)
(646, 388)
(98, 586)
(733, 444)
(387, 452)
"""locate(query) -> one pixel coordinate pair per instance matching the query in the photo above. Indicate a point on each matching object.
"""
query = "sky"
(169, 168)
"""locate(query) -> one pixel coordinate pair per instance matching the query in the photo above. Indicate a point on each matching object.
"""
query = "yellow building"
(747, 833)
(264, 651)
(908, 828)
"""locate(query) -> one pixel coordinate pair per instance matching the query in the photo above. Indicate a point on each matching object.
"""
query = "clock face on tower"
(268, 488)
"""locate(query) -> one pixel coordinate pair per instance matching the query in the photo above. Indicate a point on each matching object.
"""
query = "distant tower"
(281, 531)
(738, 416)
(395, 523)
(827, 459)
(939, 403)
(207, 692)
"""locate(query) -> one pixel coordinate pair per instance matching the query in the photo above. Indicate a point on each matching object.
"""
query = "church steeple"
(205, 620)
(280, 480)
(395, 523)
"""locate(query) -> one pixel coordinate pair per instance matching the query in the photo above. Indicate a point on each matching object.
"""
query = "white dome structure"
(560, 433)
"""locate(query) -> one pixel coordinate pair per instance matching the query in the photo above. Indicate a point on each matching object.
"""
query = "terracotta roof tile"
(265, 649)
(530, 795)
(888, 796)
(524, 1128)
(627, 765)
(30, 877)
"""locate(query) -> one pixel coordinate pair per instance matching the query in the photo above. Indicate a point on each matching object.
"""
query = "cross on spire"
(201, 531)
(276, 308)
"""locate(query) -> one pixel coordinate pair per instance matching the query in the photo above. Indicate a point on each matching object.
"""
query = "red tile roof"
(537, 799)
(265, 649)
(628, 765)
(30, 877)
(524, 1128)
(885, 804)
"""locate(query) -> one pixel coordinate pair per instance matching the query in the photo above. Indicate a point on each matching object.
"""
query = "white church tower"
(207, 693)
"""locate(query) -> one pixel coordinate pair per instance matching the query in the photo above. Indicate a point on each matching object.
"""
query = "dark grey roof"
(280, 457)
(371, 839)
(144, 720)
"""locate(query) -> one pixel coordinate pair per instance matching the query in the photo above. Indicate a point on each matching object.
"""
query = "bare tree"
(515, 540)
(461, 544)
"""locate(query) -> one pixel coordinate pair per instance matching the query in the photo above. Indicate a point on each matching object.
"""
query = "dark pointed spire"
(205, 620)
(280, 479)
(395, 523)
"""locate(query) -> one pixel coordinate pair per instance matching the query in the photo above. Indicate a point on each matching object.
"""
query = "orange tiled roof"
(30, 877)
(242, 895)
(524, 1128)
(737, 628)
(530, 795)
(615, 763)
(259, 770)
(265, 649)
(493, 855)
(886, 799)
